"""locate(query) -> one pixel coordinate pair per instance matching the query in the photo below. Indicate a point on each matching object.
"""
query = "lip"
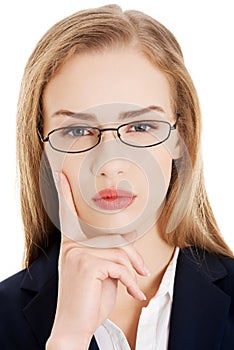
(112, 199)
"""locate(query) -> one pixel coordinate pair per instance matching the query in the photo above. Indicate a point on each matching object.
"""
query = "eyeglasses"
(79, 138)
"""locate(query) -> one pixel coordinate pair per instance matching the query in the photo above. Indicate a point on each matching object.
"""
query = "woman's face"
(116, 188)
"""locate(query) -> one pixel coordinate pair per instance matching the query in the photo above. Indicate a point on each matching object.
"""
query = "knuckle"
(121, 272)
(74, 256)
(123, 258)
(85, 262)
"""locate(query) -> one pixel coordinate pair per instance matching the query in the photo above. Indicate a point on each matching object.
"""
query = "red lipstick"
(112, 199)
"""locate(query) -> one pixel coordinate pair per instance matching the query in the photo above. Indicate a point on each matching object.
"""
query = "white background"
(204, 30)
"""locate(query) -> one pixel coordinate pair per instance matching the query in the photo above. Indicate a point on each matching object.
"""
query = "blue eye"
(76, 131)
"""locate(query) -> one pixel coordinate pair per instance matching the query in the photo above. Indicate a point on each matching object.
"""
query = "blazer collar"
(200, 308)
(42, 269)
(41, 283)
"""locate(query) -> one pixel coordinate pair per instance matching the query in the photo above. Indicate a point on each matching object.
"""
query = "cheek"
(164, 160)
(68, 164)
(71, 168)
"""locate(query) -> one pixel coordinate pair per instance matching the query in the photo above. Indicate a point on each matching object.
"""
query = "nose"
(107, 135)
(112, 168)
(109, 157)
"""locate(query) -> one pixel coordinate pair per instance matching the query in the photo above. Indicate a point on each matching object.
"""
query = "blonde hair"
(100, 29)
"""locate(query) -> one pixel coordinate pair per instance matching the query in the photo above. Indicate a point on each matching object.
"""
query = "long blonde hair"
(99, 29)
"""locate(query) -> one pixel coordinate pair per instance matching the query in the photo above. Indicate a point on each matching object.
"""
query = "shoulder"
(227, 282)
(13, 325)
(216, 268)
(9, 291)
(27, 303)
(201, 258)
(227, 262)
(203, 300)
(31, 280)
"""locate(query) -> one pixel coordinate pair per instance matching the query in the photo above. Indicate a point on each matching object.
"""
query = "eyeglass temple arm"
(175, 124)
(39, 127)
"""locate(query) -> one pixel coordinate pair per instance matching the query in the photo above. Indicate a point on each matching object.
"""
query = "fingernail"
(146, 270)
(56, 176)
(142, 295)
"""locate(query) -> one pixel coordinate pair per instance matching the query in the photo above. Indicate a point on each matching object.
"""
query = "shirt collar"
(167, 283)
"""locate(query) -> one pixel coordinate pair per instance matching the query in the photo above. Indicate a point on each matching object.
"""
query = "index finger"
(69, 222)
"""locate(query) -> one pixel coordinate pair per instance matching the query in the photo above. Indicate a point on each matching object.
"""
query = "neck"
(157, 254)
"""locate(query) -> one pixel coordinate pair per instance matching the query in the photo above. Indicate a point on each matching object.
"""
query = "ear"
(176, 151)
(174, 146)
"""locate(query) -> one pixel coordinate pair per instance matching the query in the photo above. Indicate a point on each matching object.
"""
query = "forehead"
(120, 76)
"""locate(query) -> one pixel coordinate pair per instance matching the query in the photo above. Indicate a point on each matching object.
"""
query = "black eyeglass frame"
(47, 138)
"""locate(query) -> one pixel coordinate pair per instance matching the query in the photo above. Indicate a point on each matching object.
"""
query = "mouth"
(112, 199)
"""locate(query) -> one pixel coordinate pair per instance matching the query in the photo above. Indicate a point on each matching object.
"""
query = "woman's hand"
(88, 280)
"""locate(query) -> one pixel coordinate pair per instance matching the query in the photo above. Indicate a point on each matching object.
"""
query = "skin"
(89, 291)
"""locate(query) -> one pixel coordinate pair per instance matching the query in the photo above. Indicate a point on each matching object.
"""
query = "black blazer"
(202, 312)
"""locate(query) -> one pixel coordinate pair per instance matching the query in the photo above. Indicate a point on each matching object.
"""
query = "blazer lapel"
(41, 283)
(200, 308)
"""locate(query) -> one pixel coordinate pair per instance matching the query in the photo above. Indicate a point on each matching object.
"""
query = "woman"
(112, 189)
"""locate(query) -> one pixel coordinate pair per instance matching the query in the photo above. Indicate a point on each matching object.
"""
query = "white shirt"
(153, 326)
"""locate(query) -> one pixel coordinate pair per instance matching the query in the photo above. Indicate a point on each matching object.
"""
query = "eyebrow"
(92, 117)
